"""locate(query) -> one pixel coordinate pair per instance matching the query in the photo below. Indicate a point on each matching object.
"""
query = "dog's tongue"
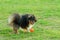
(31, 30)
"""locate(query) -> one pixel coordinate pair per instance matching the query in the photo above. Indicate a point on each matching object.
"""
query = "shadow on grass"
(8, 33)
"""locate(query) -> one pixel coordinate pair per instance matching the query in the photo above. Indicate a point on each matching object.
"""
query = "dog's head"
(31, 19)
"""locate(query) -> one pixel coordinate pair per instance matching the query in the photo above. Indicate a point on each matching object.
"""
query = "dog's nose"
(35, 20)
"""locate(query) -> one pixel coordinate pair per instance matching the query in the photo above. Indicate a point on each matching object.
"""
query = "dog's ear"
(29, 16)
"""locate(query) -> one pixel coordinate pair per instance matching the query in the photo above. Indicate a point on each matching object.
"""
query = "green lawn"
(47, 13)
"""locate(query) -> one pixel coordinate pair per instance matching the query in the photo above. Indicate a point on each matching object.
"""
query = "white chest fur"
(28, 29)
(30, 26)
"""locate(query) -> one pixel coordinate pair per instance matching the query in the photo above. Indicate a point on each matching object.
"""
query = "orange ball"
(31, 30)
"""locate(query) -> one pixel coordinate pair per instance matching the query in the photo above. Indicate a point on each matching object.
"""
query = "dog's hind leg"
(15, 30)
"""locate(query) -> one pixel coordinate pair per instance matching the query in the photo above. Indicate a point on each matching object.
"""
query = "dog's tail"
(10, 19)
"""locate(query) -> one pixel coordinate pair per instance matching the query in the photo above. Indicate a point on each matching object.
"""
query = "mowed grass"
(47, 13)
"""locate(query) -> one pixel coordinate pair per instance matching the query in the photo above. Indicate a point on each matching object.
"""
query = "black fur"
(22, 20)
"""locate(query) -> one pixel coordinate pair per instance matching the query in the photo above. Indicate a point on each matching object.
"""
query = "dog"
(24, 22)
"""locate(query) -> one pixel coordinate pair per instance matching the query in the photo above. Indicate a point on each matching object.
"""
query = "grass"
(47, 13)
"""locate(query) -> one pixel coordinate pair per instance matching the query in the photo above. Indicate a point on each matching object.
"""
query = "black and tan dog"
(25, 21)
